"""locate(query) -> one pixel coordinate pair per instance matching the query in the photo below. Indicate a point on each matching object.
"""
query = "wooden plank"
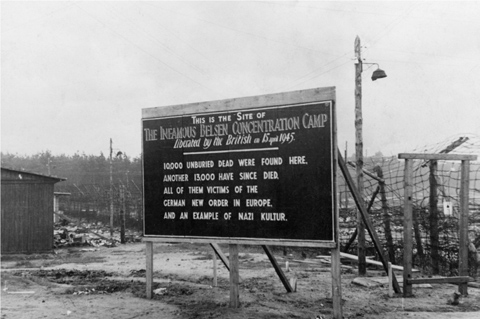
(407, 229)
(368, 173)
(354, 235)
(234, 277)
(284, 98)
(474, 285)
(149, 268)
(278, 270)
(450, 147)
(390, 273)
(439, 157)
(463, 226)
(366, 219)
(219, 240)
(220, 254)
(214, 268)
(336, 284)
(373, 262)
(441, 280)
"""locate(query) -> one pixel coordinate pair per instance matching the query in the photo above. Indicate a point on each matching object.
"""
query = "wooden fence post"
(386, 216)
(463, 226)
(434, 241)
(418, 237)
(390, 286)
(407, 229)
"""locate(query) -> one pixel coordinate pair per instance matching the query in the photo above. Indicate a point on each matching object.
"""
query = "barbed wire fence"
(436, 187)
(90, 204)
(435, 206)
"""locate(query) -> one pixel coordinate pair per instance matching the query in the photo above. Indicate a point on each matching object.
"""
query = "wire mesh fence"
(94, 204)
(436, 188)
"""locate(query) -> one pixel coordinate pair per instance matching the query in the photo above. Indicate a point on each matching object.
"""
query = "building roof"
(11, 175)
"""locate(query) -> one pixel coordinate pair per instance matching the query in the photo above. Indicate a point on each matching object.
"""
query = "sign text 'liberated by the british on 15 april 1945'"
(251, 173)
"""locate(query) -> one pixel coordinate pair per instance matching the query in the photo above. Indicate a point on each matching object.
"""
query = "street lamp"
(377, 74)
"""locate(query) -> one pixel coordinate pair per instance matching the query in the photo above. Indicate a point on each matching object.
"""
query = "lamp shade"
(378, 74)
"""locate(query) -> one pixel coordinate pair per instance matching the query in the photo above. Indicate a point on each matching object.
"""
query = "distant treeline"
(78, 169)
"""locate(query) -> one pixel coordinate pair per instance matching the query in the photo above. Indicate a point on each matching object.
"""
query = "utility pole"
(362, 266)
(111, 191)
(122, 227)
(125, 197)
(346, 186)
(49, 161)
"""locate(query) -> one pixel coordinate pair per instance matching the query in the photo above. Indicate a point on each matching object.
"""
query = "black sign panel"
(260, 173)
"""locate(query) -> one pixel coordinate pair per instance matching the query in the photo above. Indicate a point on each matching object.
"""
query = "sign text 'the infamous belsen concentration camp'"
(258, 173)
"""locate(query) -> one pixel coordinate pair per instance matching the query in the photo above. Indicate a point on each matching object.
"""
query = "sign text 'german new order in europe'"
(260, 173)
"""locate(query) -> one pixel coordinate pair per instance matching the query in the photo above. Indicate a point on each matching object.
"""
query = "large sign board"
(249, 170)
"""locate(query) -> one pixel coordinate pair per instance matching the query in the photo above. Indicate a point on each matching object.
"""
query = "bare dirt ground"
(85, 282)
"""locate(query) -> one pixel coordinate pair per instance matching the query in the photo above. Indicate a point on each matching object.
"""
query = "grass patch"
(24, 264)
(74, 258)
(204, 257)
(48, 260)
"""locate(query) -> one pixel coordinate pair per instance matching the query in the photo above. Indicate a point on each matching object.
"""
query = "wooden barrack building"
(27, 212)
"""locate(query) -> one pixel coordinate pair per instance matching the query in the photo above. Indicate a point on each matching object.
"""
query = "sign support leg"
(234, 277)
(336, 284)
(214, 269)
(278, 270)
(220, 254)
(149, 268)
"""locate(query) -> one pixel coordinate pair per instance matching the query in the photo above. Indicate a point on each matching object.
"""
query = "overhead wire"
(241, 31)
(299, 4)
(124, 18)
(268, 39)
(434, 55)
(313, 76)
(388, 29)
(144, 51)
(178, 37)
(38, 18)
(393, 24)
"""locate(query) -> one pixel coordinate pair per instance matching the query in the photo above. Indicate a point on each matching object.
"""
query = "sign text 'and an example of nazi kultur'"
(221, 170)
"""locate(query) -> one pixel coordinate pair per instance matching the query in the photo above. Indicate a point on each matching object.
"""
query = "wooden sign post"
(234, 277)
(254, 170)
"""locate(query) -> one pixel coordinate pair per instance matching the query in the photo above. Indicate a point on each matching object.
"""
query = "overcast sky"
(75, 74)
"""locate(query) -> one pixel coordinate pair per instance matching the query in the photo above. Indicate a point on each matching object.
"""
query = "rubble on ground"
(89, 234)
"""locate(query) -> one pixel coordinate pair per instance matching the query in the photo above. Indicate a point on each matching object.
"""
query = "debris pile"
(68, 276)
(67, 234)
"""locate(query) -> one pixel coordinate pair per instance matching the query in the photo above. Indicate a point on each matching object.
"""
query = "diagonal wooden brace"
(278, 270)
(366, 220)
